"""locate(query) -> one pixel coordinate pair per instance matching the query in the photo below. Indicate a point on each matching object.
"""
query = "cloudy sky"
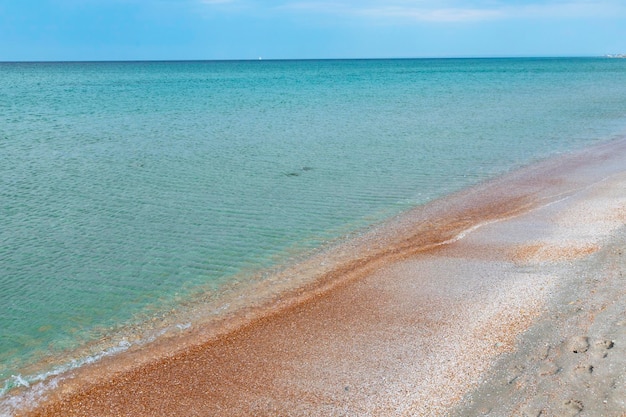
(289, 29)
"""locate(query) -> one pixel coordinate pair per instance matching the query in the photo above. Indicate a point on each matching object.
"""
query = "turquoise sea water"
(125, 187)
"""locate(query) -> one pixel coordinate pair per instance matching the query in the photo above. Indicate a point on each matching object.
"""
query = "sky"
(84, 30)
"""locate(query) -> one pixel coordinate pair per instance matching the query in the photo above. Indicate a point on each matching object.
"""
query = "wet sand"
(494, 301)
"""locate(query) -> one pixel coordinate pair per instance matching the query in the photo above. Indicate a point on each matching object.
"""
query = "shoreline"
(570, 362)
(333, 287)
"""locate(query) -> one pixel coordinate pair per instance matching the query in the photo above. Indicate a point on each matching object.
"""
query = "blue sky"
(279, 29)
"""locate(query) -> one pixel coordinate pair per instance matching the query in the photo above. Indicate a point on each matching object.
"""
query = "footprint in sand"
(578, 344)
(584, 369)
(548, 368)
(572, 408)
(533, 412)
(601, 348)
(534, 408)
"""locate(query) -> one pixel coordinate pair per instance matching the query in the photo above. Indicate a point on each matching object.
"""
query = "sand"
(505, 299)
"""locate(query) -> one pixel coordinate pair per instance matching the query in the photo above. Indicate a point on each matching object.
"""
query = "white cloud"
(569, 9)
(449, 14)
(210, 2)
(463, 11)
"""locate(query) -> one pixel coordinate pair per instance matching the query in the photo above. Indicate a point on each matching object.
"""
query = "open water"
(127, 187)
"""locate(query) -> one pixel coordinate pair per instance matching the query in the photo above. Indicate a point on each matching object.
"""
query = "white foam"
(36, 386)
(183, 326)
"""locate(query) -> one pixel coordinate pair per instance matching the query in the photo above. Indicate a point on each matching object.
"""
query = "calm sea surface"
(126, 187)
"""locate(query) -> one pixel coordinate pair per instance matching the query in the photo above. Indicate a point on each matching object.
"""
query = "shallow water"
(127, 187)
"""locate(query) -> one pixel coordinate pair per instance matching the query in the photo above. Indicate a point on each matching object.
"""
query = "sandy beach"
(505, 299)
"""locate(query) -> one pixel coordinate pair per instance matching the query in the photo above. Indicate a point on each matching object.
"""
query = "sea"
(129, 188)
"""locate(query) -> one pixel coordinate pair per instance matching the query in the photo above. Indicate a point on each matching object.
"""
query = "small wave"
(38, 385)
(35, 387)
(184, 326)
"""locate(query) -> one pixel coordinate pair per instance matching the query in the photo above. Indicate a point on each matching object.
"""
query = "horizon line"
(260, 59)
